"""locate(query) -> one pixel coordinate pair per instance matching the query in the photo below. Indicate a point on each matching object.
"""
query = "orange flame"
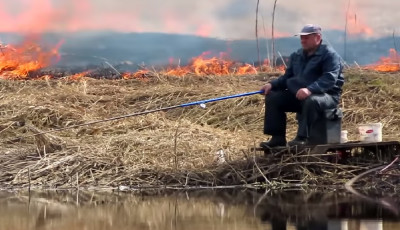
(387, 64)
(18, 61)
(78, 76)
(247, 69)
(202, 66)
(179, 72)
(140, 75)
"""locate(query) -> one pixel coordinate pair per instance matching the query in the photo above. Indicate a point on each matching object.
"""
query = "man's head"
(310, 37)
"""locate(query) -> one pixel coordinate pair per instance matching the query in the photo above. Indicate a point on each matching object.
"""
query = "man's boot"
(298, 141)
(275, 141)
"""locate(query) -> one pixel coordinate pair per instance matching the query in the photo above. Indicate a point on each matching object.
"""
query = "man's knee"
(274, 98)
(319, 102)
(312, 102)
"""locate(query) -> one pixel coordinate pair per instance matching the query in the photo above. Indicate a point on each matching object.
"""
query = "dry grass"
(178, 147)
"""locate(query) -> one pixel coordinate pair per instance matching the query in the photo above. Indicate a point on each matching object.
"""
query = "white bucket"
(343, 136)
(370, 132)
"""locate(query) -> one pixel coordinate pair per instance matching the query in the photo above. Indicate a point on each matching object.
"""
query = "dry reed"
(180, 147)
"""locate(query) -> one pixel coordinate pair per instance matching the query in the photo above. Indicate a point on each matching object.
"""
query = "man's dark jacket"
(320, 73)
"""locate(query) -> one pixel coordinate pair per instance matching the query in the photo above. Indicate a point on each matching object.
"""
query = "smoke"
(228, 19)
(146, 31)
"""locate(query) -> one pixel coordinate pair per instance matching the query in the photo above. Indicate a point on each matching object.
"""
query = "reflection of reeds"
(197, 209)
(150, 150)
(108, 211)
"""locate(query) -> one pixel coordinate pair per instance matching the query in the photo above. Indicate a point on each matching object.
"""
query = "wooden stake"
(258, 45)
(273, 35)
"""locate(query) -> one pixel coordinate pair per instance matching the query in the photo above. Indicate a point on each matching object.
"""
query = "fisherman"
(311, 84)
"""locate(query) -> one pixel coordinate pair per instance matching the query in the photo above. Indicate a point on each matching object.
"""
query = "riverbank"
(182, 147)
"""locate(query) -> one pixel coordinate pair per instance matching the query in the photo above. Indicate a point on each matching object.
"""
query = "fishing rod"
(202, 104)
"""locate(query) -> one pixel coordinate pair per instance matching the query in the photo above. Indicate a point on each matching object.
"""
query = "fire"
(140, 75)
(211, 66)
(387, 64)
(18, 61)
(247, 69)
(202, 66)
(178, 71)
(78, 76)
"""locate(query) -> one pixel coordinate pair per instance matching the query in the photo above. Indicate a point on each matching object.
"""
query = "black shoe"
(275, 141)
(299, 141)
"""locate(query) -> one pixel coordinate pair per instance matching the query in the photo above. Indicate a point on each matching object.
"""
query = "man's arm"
(280, 83)
(331, 67)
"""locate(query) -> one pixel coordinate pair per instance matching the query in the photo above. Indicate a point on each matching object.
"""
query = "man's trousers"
(277, 103)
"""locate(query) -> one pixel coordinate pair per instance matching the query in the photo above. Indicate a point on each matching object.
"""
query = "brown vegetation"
(174, 148)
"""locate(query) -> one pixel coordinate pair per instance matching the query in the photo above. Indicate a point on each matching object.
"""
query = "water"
(195, 210)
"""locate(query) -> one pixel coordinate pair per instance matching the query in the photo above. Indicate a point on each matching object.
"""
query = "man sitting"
(311, 84)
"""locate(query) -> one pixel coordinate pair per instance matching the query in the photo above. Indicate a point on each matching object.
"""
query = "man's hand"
(266, 88)
(303, 93)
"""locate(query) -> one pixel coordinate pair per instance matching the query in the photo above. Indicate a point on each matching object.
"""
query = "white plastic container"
(370, 225)
(343, 136)
(370, 132)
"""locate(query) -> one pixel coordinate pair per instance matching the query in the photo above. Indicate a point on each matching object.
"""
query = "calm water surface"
(195, 210)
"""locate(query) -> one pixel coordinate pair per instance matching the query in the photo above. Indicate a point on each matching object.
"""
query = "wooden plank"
(325, 147)
(359, 144)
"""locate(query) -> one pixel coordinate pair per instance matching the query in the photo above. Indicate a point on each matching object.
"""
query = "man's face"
(310, 42)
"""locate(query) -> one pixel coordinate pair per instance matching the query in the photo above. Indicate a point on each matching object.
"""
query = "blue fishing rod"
(201, 103)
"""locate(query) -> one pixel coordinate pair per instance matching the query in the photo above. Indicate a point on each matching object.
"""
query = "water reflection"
(202, 209)
(328, 211)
